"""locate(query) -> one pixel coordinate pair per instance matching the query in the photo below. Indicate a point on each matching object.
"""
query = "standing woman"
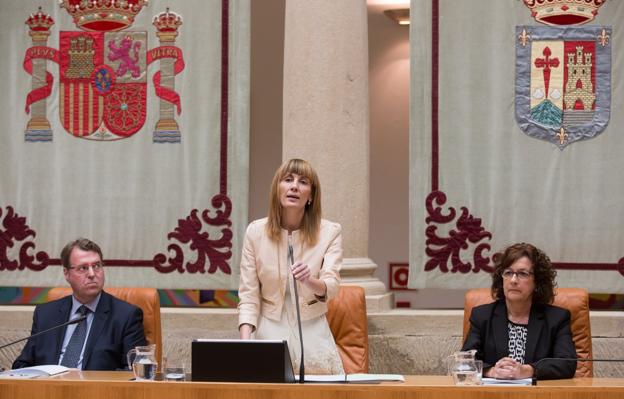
(267, 302)
(518, 335)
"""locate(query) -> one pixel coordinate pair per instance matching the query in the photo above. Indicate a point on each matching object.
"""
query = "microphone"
(291, 261)
(73, 321)
(570, 359)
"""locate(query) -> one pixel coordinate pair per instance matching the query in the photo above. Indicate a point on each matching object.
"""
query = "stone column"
(38, 127)
(167, 24)
(326, 121)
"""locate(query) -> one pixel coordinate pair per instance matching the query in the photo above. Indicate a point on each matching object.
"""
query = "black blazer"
(548, 335)
(117, 327)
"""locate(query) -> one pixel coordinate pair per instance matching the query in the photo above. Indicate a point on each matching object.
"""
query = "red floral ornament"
(14, 232)
(189, 231)
(443, 250)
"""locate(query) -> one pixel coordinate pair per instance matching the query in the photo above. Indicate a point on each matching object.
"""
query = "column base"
(38, 124)
(167, 125)
(38, 129)
(167, 131)
(359, 271)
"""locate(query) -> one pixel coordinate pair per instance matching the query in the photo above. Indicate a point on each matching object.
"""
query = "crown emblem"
(564, 12)
(103, 15)
(39, 22)
(167, 21)
(167, 24)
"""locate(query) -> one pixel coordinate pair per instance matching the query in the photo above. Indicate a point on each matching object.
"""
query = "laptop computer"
(229, 360)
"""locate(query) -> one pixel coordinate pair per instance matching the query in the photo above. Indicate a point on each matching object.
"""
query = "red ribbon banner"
(39, 52)
(167, 52)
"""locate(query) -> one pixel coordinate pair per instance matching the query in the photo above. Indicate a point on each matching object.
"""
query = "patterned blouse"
(517, 340)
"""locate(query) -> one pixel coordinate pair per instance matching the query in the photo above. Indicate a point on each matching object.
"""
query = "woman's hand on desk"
(510, 369)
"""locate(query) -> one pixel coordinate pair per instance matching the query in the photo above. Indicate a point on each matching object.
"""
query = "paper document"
(34, 372)
(494, 381)
(352, 378)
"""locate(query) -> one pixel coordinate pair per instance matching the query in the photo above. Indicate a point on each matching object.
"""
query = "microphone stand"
(73, 321)
(291, 262)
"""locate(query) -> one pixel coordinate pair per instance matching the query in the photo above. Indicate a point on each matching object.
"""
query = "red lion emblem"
(122, 53)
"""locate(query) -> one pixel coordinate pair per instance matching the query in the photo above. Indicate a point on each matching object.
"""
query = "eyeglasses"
(522, 274)
(84, 269)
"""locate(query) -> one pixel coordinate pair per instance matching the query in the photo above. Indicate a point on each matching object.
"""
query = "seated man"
(101, 341)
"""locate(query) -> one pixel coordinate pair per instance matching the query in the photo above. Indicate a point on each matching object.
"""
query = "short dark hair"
(543, 272)
(83, 243)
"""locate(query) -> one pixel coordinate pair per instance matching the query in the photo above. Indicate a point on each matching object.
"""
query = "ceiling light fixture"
(400, 16)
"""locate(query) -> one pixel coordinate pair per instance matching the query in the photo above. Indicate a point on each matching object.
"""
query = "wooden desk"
(115, 385)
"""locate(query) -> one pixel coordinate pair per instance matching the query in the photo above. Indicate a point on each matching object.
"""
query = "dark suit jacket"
(548, 336)
(117, 327)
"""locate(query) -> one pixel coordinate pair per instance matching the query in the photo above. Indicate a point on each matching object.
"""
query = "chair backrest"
(576, 300)
(145, 298)
(346, 315)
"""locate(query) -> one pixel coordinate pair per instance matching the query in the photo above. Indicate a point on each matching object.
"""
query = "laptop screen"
(234, 360)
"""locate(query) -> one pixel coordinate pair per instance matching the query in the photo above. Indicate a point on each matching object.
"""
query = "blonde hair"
(311, 222)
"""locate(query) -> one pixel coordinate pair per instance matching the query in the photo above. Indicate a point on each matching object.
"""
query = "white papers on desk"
(35, 371)
(352, 378)
(494, 381)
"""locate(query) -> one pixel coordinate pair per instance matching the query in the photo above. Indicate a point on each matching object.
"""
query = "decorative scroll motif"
(443, 250)
(15, 230)
(189, 230)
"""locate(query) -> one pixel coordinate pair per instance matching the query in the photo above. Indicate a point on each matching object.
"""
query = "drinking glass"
(174, 370)
(479, 379)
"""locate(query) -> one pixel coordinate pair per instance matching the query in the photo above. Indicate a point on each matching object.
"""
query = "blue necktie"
(76, 342)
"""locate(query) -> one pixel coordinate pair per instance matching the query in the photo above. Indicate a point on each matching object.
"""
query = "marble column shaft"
(326, 121)
(326, 107)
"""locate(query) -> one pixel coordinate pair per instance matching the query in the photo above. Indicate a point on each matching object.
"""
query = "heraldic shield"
(103, 83)
(103, 72)
(563, 82)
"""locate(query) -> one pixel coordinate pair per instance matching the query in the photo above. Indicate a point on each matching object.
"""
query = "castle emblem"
(563, 80)
(103, 72)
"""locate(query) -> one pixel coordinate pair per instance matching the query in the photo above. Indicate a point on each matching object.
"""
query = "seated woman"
(516, 335)
(267, 292)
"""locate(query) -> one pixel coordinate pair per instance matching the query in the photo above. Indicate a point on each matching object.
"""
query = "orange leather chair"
(145, 298)
(346, 315)
(576, 300)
